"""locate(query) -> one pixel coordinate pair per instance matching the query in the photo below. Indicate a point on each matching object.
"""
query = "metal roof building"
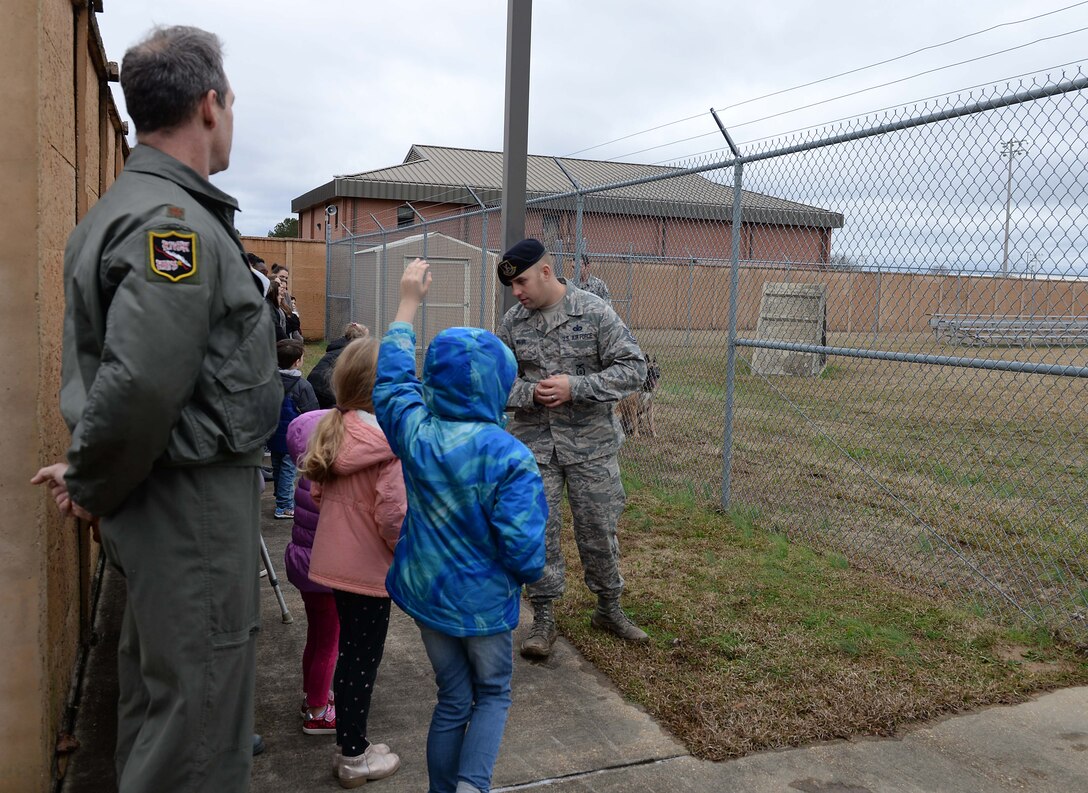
(439, 174)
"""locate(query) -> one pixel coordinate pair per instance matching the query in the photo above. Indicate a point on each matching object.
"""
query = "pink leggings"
(322, 640)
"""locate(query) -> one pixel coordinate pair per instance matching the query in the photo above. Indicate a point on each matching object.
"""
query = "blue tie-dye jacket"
(474, 532)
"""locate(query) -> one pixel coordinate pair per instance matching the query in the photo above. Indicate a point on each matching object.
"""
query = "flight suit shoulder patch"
(173, 256)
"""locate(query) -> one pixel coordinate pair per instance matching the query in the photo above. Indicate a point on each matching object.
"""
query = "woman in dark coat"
(321, 375)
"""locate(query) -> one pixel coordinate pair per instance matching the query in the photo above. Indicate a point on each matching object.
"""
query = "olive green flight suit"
(170, 388)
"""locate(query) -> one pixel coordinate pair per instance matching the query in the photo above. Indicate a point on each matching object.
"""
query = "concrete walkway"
(570, 730)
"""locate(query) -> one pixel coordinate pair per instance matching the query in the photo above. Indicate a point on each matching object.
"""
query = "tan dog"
(637, 410)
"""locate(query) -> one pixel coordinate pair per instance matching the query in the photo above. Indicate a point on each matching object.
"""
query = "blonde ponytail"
(353, 377)
(324, 444)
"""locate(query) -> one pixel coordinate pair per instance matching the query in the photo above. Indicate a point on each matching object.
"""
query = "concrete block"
(56, 107)
(56, 198)
(793, 313)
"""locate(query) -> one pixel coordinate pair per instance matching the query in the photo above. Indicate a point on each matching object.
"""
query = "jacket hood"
(363, 446)
(299, 431)
(467, 375)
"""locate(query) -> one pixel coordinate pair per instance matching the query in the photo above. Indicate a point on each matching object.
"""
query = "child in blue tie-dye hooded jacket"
(474, 532)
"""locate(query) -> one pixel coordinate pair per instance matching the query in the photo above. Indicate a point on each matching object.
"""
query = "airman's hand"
(553, 391)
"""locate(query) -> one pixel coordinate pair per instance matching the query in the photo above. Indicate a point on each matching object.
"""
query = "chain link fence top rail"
(908, 378)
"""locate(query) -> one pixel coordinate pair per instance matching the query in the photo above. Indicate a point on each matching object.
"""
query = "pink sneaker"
(322, 724)
(302, 709)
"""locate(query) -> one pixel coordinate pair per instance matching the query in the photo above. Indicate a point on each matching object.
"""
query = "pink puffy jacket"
(362, 509)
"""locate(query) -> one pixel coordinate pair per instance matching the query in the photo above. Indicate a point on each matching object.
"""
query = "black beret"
(519, 259)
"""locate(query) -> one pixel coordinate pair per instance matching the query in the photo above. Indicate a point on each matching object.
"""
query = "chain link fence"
(881, 349)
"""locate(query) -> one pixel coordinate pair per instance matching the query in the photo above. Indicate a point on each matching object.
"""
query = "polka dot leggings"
(364, 621)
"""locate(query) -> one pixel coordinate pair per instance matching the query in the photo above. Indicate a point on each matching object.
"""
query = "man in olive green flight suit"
(169, 387)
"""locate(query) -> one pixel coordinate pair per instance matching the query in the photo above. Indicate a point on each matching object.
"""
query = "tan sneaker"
(380, 748)
(355, 772)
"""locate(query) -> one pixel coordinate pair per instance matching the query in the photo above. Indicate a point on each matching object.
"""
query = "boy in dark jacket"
(298, 398)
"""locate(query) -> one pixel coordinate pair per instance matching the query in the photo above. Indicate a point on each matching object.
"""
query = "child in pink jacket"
(359, 487)
(322, 622)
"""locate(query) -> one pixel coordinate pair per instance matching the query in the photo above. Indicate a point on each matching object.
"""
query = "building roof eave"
(319, 195)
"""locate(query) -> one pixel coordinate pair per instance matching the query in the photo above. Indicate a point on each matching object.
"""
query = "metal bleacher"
(982, 330)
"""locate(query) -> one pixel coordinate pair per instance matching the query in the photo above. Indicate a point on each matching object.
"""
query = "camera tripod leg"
(275, 582)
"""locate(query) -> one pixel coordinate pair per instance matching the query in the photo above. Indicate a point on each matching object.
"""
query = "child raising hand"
(474, 532)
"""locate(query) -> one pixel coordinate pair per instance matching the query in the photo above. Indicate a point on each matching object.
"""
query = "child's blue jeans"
(283, 480)
(473, 675)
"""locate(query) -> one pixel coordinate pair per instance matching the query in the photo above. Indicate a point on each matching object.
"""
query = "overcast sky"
(340, 87)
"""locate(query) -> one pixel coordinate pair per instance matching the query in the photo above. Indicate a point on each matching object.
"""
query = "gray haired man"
(169, 388)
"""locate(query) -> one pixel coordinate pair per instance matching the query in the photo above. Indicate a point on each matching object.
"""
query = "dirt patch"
(1027, 658)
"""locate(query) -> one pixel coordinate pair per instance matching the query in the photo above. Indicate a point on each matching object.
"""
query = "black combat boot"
(538, 644)
(610, 617)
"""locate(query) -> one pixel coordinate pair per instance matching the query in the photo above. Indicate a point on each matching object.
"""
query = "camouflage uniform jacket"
(595, 286)
(589, 342)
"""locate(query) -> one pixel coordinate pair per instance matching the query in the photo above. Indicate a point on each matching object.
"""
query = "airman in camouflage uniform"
(592, 284)
(576, 358)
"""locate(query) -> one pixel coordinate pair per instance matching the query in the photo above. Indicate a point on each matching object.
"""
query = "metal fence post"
(734, 287)
(876, 309)
(483, 271)
(381, 273)
(579, 243)
(423, 306)
(731, 350)
(483, 253)
(352, 313)
(691, 296)
(328, 279)
(630, 281)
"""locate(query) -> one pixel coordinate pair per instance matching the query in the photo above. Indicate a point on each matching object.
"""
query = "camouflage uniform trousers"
(596, 497)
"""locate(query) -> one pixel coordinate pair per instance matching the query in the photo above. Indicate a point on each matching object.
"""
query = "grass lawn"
(314, 351)
(758, 642)
(963, 483)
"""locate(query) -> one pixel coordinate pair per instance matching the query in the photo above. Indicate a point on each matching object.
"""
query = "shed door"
(447, 303)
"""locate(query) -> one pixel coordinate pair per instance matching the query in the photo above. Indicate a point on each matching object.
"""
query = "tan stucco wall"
(856, 301)
(305, 261)
(60, 139)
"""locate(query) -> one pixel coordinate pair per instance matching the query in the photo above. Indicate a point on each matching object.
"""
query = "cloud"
(342, 86)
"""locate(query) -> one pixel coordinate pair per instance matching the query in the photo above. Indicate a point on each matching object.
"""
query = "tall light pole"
(515, 139)
(1009, 150)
